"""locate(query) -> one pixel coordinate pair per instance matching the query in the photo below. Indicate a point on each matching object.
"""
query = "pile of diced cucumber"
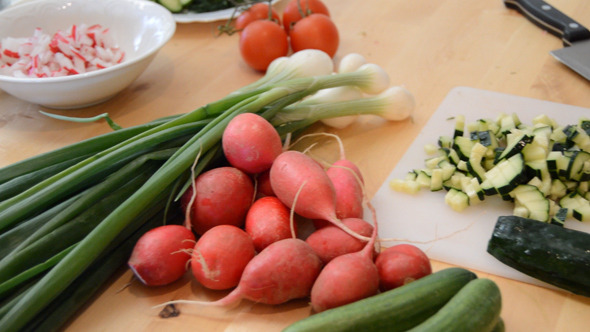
(543, 167)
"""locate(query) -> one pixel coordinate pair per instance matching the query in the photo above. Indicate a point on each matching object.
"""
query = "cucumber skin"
(396, 310)
(475, 308)
(550, 253)
(500, 326)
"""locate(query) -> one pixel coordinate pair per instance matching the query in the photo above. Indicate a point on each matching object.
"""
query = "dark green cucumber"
(463, 146)
(452, 155)
(475, 162)
(551, 253)
(475, 308)
(559, 217)
(576, 167)
(459, 126)
(508, 122)
(445, 142)
(396, 310)
(505, 176)
(514, 146)
(585, 125)
(500, 326)
(487, 139)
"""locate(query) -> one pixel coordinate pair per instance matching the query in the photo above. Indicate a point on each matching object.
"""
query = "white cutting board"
(459, 238)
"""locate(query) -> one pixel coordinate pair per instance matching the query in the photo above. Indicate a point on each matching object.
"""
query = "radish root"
(377, 241)
(337, 222)
(345, 228)
(187, 212)
(358, 179)
(255, 186)
(126, 285)
(292, 212)
(287, 141)
(210, 274)
(230, 300)
(342, 156)
(306, 151)
(437, 238)
(169, 311)
(340, 144)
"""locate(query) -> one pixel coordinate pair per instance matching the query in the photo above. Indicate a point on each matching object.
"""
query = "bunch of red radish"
(305, 24)
(248, 241)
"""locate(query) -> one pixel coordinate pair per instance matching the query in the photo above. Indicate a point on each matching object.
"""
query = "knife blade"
(575, 37)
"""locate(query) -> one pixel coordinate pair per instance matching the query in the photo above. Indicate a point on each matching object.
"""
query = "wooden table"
(428, 46)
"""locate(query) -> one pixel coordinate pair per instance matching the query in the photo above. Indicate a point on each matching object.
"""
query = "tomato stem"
(303, 12)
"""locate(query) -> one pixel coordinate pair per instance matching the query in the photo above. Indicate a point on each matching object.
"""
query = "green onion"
(23, 182)
(105, 116)
(80, 175)
(8, 302)
(52, 242)
(18, 279)
(74, 151)
(97, 193)
(13, 238)
(85, 286)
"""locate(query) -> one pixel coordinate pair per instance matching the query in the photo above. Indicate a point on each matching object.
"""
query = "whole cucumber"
(551, 253)
(396, 310)
(475, 308)
(499, 327)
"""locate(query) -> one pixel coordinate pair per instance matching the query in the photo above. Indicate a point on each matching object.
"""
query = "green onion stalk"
(284, 96)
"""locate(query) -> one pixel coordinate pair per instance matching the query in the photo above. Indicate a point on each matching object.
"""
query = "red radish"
(348, 188)
(268, 221)
(330, 241)
(263, 187)
(346, 279)
(401, 264)
(160, 255)
(220, 256)
(294, 174)
(348, 184)
(223, 197)
(318, 223)
(285, 270)
(250, 143)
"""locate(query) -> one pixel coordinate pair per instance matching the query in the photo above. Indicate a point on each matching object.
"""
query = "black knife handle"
(550, 19)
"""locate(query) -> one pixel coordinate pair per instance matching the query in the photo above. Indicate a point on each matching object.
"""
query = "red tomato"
(258, 11)
(292, 12)
(261, 42)
(316, 31)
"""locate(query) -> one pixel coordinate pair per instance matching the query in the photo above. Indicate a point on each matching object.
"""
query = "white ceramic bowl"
(140, 28)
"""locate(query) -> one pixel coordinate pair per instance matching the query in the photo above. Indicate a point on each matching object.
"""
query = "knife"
(575, 37)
